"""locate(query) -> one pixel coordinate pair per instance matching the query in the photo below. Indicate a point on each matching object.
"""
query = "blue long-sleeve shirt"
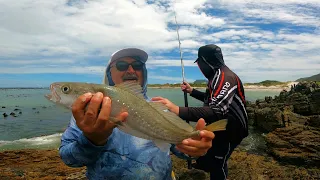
(122, 157)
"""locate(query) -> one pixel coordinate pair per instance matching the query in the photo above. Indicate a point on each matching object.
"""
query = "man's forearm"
(195, 113)
(197, 94)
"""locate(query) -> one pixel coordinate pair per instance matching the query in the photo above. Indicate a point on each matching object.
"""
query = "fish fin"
(162, 145)
(132, 87)
(217, 126)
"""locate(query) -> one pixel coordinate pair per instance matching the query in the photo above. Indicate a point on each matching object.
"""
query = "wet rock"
(315, 102)
(5, 115)
(17, 109)
(34, 164)
(3, 107)
(46, 164)
(314, 121)
(13, 114)
(268, 99)
(291, 118)
(300, 103)
(298, 145)
(250, 112)
(268, 119)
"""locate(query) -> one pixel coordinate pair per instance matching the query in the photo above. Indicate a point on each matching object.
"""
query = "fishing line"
(183, 77)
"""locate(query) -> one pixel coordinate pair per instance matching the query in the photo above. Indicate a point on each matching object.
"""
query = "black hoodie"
(224, 96)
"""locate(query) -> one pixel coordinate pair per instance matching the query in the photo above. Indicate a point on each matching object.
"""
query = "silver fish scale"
(141, 108)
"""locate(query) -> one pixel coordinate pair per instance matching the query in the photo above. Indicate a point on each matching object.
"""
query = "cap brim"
(129, 52)
(196, 60)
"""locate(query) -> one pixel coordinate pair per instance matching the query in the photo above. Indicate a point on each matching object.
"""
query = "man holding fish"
(118, 133)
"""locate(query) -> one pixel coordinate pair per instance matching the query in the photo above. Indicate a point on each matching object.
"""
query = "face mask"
(206, 70)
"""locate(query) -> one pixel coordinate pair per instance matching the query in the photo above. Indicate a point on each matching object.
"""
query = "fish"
(150, 120)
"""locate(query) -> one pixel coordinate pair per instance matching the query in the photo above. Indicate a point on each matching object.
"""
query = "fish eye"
(65, 89)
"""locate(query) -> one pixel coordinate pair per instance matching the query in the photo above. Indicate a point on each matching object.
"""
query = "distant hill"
(267, 83)
(201, 81)
(311, 78)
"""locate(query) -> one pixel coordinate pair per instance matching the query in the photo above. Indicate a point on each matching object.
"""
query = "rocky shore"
(290, 122)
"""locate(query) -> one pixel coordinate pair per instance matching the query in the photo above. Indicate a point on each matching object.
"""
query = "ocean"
(38, 123)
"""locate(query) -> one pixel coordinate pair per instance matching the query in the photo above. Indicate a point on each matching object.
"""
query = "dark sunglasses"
(123, 66)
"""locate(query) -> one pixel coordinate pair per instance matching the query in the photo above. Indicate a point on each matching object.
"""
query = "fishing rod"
(183, 78)
(182, 65)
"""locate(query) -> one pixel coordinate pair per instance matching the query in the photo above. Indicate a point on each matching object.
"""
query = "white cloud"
(52, 37)
(289, 11)
(98, 70)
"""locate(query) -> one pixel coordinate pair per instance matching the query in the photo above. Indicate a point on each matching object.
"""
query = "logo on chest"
(222, 92)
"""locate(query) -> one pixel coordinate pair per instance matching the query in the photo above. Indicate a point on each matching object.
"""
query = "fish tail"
(217, 126)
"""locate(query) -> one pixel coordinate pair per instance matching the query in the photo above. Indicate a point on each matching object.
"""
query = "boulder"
(314, 121)
(268, 119)
(300, 103)
(314, 99)
(298, 145)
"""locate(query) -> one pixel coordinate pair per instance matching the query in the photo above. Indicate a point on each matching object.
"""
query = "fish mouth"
(48, 96)
(54, 96)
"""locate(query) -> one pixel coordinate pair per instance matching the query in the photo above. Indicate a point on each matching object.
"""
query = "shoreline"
(257, 88)
(286, 87)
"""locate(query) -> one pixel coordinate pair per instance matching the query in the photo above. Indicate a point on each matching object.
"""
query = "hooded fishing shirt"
(224, 96)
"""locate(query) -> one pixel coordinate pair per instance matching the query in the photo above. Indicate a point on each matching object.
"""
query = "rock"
(3, 107)
(5, 115)
(298, 145)
(291, 118)
(303, 87)
(314, 121)
(46, 164)
(258, 101)
(250, 112)
(300, 103)
(243, 166)
(268, 119)
(263, 105)
(16, 109)
(250, 109)
(34, 164)
(251, 117)
(268, 99)
(314, 99)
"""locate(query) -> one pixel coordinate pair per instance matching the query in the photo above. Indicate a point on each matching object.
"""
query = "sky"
(43, 41)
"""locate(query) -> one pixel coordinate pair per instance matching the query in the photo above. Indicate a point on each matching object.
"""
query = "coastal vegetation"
(311, 78)
(203, 83)
(267, 83)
